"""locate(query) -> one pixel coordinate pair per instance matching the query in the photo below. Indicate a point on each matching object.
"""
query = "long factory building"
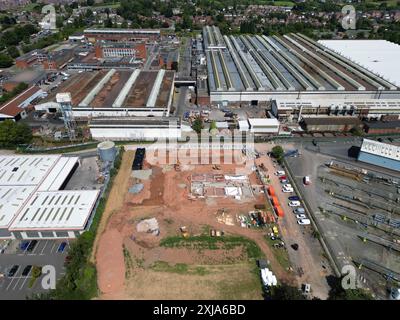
(295, 110)
(33, 202)
(261, 68)
(116, 93)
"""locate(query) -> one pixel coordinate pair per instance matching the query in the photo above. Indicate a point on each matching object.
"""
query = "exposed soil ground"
(210, 274)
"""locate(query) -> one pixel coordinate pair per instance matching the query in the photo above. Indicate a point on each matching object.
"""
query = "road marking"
(36, 247)
(12, 280)
(45, 245)
(51, 251)
(16, 283)
(26, 278)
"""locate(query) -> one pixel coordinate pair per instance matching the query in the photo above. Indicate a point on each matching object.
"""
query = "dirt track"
(115, 199)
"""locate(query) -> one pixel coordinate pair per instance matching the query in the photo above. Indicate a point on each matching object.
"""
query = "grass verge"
(213, 243)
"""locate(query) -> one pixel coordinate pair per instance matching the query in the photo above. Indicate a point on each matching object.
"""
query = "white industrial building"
(143, 129)
(260, 125)
(33, 204)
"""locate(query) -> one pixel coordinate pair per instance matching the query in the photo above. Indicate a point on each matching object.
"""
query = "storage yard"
(256, 68)
(356, 207)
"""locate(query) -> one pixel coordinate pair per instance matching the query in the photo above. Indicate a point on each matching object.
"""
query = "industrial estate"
(224, 165)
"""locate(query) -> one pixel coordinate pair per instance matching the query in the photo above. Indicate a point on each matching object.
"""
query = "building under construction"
(260, 68)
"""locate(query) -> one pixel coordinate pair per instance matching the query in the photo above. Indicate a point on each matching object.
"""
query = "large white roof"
(263, 122)
(381, 149)
(379, 56)
(25, 170)
(56, 210)
(12, 198)
(30, 197)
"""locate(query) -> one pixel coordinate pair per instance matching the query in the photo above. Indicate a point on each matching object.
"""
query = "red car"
(282, 178)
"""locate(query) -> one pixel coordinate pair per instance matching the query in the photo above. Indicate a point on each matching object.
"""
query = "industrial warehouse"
(380, 154)
(116, 93)
(295, 110)
(260, 68)
(32, 200)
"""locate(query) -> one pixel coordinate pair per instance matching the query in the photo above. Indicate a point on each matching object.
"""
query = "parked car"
(31, 245)
(26, 270)
(287, 190)
(280, 173)
(294, 203)
(306, 180)
(301, 216)
(282, 178)
(284, 181)
(294, 198)
(304, 221)
(62, 247)
(288, 185)
(299, 211)
(13, 271)
(24, 245)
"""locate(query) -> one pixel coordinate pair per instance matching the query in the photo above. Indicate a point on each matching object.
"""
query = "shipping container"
(271, 191)
(275, 201)
(279, 211)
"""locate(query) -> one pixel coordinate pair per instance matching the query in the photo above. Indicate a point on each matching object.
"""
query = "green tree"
(13, 51)
(337, 291)
(198, 124)
(277, 152)
(13, 133)
(286, 292)
(5, 61)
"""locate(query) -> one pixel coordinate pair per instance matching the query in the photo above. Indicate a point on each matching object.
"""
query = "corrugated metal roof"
(381, 149)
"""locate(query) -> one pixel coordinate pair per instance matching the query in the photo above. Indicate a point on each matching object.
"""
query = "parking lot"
(305, 252)
(355, 206)
(18, 285)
